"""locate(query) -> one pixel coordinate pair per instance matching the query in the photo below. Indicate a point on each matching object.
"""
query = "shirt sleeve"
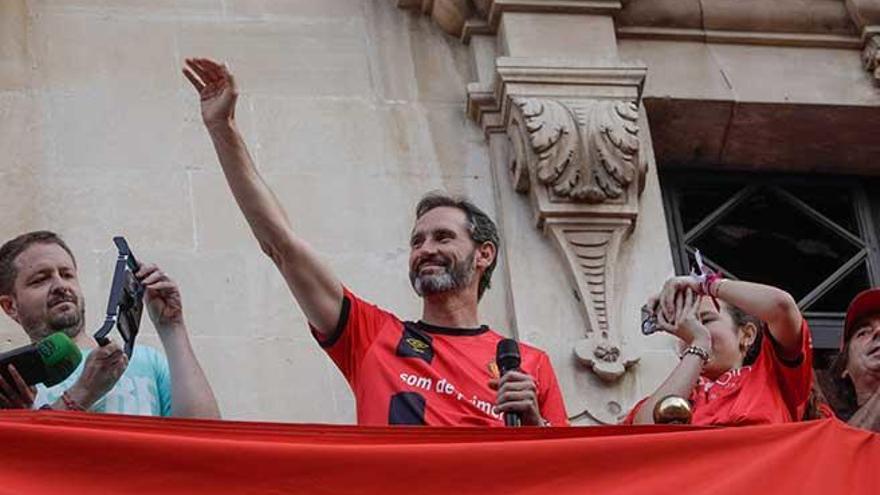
(163, 382)
(359, 324)
(795, 377)
(550, 400)
(631, 415)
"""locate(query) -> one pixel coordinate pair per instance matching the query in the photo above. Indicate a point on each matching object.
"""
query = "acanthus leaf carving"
(586, 151)
(580, 162)
(871, 57)
(608, 360)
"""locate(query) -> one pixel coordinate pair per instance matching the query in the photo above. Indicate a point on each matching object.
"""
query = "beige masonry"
(553, 115)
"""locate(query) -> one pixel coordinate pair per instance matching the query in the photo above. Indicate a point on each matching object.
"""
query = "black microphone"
(507, 359)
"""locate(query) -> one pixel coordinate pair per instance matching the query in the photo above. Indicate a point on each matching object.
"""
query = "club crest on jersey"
(493, 369)
(414, 343)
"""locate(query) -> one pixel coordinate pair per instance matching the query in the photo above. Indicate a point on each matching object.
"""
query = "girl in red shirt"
(745, 352)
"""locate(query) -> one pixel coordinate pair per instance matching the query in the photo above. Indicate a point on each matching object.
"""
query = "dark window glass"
(836, 203)
(837, 299)
(767, 239)
(699, 201)
(812, 237)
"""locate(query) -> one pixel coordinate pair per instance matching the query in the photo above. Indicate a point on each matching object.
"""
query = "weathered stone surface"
(354, 109)
(795, 75)
(296, 57)
(688, 131)
(758, 106)
(275, 379)
(811, 16)
(586, 37)
(298, 10)
(797, 138)
(681, 14)
(107, 131)
(678, 69)
(135, 8)
(15, 64)
(65, 44)
(864, 13)
(792, 16)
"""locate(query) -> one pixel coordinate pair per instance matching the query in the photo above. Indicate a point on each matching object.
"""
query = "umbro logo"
(414, 343)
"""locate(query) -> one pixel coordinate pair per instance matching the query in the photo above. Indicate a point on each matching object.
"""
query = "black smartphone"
(649, 321)
(126, 304)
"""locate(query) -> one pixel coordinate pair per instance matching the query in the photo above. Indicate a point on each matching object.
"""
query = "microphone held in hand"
(507, 359)
(48, 361)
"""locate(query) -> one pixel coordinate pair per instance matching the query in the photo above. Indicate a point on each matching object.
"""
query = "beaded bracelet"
(70, 403)
(703, 354)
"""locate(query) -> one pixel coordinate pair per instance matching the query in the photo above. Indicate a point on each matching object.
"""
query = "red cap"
(864, 304)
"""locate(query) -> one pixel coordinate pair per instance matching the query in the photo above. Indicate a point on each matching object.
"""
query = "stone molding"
(821, 17)
(871, 57)
(864, 13)
(465, 18)
(489, 104)
(575, 151)
(763, 38)
(579, 161)
(782, 22)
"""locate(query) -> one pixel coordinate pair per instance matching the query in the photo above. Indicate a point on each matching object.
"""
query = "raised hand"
(162, 298)
(216, 87)
(671, 289)
(686, 324)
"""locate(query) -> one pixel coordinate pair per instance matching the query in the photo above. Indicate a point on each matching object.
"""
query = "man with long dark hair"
(852, 387)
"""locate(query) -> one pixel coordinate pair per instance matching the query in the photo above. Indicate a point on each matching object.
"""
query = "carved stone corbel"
(871, 56)
(464, 18)
(579, 161)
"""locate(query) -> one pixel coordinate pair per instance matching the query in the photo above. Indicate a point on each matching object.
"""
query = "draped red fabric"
(73, 453)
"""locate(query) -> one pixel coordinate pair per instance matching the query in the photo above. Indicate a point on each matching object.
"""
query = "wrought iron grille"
(815, 236)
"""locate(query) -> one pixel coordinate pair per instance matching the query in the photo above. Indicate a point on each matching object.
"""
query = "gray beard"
(453, 278)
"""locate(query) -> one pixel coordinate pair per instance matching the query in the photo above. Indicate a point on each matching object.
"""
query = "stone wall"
(352, 109)
(355, 108)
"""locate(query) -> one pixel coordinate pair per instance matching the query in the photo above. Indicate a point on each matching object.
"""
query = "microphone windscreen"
(60, 356)
(507, 355)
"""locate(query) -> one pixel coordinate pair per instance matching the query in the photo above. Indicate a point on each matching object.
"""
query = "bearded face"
(442, 254)
(440, 273)
(47, 297)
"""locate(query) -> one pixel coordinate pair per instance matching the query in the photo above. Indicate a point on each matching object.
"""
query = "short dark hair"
(10, 251)
(741, 318)
(480, 226)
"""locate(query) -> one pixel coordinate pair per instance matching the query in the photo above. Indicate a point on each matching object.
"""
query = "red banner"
(73, 453)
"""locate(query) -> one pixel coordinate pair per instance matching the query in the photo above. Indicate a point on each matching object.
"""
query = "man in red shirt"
(852, 386)
(438, 371)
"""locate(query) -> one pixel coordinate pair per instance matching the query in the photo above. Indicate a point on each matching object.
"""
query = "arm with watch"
(685, 324)
(774, 306)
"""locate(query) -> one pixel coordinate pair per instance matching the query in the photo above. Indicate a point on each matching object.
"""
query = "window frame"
(826, 327)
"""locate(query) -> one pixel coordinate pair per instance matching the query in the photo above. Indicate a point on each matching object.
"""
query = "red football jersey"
(770, 390)
(412, 373)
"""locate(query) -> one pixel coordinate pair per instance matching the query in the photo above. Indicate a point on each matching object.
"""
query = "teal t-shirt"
(144, 388)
